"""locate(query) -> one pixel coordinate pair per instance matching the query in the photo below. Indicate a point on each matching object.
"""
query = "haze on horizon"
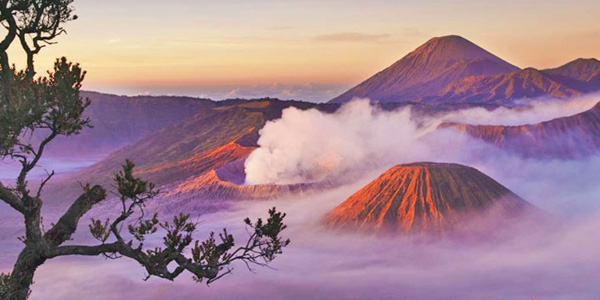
(306, 49)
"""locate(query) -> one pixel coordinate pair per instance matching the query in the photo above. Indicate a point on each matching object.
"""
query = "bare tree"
(51, 105)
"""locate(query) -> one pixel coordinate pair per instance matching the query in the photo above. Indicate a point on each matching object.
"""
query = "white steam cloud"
(309, 146)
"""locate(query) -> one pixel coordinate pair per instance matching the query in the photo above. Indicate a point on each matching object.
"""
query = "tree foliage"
(51, 106)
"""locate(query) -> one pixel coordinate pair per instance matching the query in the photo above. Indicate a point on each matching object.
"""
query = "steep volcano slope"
(565, 138)
(189, 147)
(428, 70)
(425, 197)
(120, 121)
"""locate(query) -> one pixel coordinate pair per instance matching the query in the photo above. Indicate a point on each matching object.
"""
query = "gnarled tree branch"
(67, 224)
(11, 199)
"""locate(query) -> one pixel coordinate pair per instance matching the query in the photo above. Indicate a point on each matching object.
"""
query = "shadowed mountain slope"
(523, 84)
(568, 137)
(121, 120)
(582, 69)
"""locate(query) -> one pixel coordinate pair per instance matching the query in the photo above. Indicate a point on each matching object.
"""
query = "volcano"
(451, 69)
(428, 70)
(426, 197)
(205, 148)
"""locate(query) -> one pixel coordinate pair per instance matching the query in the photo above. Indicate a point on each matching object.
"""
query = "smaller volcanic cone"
(427, 197)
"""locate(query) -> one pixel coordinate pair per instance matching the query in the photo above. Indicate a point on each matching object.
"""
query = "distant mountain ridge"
(119, 121)
(569, 137)
(451, 69)
(583, 69)
(499, 89)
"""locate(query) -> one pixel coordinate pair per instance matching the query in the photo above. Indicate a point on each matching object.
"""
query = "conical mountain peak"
(427, 70)
(451, 48)
(431, 197)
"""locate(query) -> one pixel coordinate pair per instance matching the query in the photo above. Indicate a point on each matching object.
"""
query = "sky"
(301, 49)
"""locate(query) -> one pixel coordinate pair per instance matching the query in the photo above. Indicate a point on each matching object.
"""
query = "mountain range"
(451, 69)
(194, 149)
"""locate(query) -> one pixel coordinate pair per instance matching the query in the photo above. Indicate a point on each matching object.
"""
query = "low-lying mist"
(539, 110)
(558, 261)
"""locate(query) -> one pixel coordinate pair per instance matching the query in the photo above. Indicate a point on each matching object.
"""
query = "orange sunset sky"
(188, 46)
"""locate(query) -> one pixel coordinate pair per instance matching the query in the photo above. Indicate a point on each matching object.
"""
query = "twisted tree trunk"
(21, 278)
